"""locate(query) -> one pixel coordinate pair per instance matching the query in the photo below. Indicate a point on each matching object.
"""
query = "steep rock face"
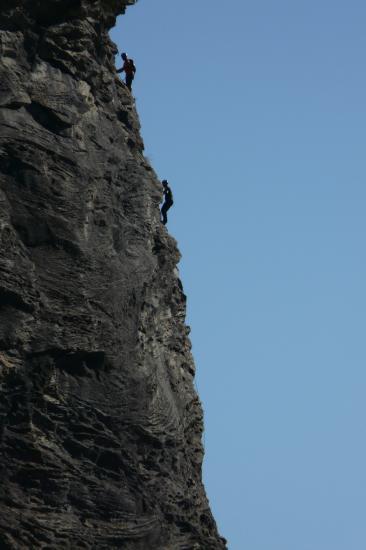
(100, 426)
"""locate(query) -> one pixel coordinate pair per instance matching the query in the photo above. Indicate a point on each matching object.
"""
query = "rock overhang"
(20, 13)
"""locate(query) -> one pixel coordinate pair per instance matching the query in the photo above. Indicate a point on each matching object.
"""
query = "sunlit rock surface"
(100, 425)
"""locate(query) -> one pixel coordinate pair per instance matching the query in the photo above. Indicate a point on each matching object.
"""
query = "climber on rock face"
(129, 68)
(168, 201)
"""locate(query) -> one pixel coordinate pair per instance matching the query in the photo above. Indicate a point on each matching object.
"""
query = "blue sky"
(255, 112)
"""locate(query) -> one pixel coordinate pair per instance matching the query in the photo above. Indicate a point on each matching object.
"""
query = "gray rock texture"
(100, 425)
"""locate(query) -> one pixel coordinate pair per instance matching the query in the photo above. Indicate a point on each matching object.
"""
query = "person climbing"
(130, 70)
(168, 201)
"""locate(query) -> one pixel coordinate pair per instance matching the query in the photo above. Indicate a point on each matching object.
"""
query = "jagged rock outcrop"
(100, 426)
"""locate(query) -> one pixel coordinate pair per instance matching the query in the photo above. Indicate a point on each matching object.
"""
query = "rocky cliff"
(100, 425)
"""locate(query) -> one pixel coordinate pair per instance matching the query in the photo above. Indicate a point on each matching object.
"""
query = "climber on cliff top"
(129, 68)
(168, 201)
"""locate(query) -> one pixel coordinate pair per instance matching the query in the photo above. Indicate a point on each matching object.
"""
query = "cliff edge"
(100, 425)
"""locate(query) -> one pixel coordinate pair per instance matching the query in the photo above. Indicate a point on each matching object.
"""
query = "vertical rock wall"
(100, 426)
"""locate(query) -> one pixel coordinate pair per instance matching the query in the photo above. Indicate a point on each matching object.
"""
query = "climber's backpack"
(132, 66)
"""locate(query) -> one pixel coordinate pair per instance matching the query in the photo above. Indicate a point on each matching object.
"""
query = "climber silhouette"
(129, 68)
(168, 201)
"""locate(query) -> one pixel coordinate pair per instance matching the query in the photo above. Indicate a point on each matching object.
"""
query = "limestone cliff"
(100, 425)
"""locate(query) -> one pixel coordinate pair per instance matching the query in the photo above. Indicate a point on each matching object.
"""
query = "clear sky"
(255, 111)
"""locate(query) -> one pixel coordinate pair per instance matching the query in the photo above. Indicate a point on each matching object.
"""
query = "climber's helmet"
(124, 56)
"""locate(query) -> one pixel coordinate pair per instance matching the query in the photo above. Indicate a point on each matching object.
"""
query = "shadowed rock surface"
(100, 425)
